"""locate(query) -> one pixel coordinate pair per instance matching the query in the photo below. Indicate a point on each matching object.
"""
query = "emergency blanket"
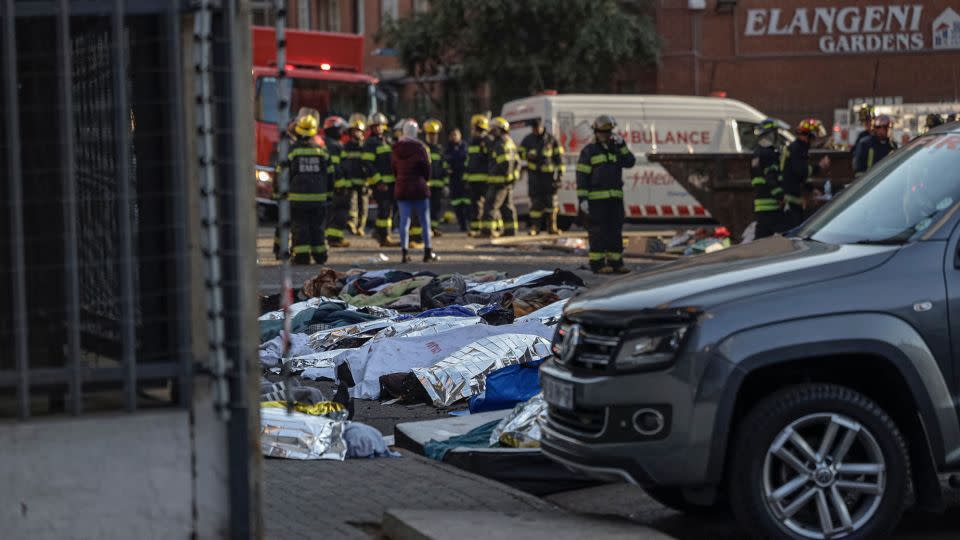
(271, 351)
(300, 436)
(549, 315)
(521, 428)
(463, 373)
(402, 354)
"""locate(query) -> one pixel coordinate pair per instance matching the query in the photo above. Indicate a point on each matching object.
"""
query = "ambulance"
(649, 124)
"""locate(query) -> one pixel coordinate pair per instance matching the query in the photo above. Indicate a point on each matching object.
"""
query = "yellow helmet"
(306, 126)
(432, 126)
(501, 122)
(479, 121)
(357, 123)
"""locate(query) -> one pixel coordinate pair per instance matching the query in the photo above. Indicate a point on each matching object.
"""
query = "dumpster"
(721, 182)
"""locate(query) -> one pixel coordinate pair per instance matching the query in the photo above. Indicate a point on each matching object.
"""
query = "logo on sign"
(946, 30)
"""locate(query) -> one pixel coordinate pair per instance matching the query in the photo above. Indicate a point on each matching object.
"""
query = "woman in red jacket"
(411, 167)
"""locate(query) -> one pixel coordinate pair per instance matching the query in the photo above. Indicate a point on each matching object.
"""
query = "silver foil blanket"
(521, 428)
(464, 373)
(300, 436)
(548, 315)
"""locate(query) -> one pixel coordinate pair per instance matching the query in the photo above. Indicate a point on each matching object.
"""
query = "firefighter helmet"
(866, 112)
(306, 126)
(358, 123)
(811, 127)
(501, 123)
(604, 122)
(336, 122)
(882, 121)
(479, 121)
(378, 119)
(432, 126)
(766, 127)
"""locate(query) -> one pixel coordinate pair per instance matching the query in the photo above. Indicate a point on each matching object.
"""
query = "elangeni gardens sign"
(855, 28)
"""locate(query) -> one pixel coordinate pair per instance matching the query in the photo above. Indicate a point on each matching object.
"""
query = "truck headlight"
(264, 176)
(655, 347)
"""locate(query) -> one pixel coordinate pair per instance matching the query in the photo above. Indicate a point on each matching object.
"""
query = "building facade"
(800, 58)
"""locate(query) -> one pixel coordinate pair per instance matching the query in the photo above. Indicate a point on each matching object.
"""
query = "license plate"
(558, 393)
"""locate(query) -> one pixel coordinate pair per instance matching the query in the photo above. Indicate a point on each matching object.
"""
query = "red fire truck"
(325, 71)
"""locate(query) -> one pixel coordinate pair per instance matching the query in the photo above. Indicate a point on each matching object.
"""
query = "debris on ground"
(702, 240)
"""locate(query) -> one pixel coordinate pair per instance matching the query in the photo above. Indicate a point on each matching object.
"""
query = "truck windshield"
(898, 199)
(327, 97)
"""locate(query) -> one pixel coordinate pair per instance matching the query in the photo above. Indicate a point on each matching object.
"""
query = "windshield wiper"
(881, 242)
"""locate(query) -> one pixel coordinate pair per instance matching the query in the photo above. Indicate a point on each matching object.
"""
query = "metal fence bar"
(15, 195)
(121, 132)
(51, 376)
(179, 188)
(68, 175)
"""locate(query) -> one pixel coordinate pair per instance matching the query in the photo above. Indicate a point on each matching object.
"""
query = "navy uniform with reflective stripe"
(338, 217)
(475, 175)
(355, 177)
(767, 193)
(795, 173)
(439, 182)
(870, 150)
(600, 182)
(310, 173)
(499, 212)
(543, 155)
(376, 157)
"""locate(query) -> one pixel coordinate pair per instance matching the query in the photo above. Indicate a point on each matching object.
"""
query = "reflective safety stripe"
(584, 168)
(343, 183)
(475, 177)
(605, 194)
(368, 156)
(383, 223)
(308, 197)
(596, 255)
(383, 149)
(765, 205)
(435, 156)
(776, 191)
(614, 256)
(335, 159)
(319, 249)
(416, 231)
(436, 183)
(307, 151)
(502, 157)
(356, 154)
(474, 225)
(496, 179)
(793, 199)
(870, 156)
(532, 167)
(759, 181)
(300, 249)
(624, 151)
(460, 201)
(597, 159)
(473, 149)
(334, 233)
(582, 193)
(358, 181)
(535, 214)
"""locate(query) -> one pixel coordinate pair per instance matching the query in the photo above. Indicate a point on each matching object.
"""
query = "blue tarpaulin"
(508, 386)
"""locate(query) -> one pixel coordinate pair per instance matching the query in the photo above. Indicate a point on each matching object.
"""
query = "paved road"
(346, 500)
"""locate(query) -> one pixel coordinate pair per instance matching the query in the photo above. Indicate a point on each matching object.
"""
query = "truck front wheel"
(818, 461)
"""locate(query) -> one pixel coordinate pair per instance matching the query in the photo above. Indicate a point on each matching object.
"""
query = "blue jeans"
(407, 209)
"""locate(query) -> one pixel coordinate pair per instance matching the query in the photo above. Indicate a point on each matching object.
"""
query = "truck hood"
(706, 281)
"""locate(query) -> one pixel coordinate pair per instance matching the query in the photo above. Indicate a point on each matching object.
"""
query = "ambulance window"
(748, 140)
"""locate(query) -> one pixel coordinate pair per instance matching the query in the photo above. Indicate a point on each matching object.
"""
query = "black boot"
(429, 255)
(404, 256)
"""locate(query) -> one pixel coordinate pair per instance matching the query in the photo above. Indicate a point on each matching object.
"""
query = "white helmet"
(410, 129)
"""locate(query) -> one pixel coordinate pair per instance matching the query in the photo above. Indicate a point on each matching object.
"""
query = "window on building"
(389, 10)
(262, 14)
(421, 6)
(328, 15)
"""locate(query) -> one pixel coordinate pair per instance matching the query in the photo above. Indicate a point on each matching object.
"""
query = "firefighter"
(600, 193)
(339, 215)
(476, 169)
(499, 212)
(932, 120)
(456, 156)
(439, 173)
(354, 172)
(376, 159)
(865, 114)
(543, 155)
(796, 171)
(874, 147)
(767, 193)
(310, 172)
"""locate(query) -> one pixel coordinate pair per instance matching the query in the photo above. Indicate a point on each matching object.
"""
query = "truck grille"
(580, 421)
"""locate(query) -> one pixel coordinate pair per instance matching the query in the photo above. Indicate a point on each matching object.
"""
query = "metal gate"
(128, 244)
